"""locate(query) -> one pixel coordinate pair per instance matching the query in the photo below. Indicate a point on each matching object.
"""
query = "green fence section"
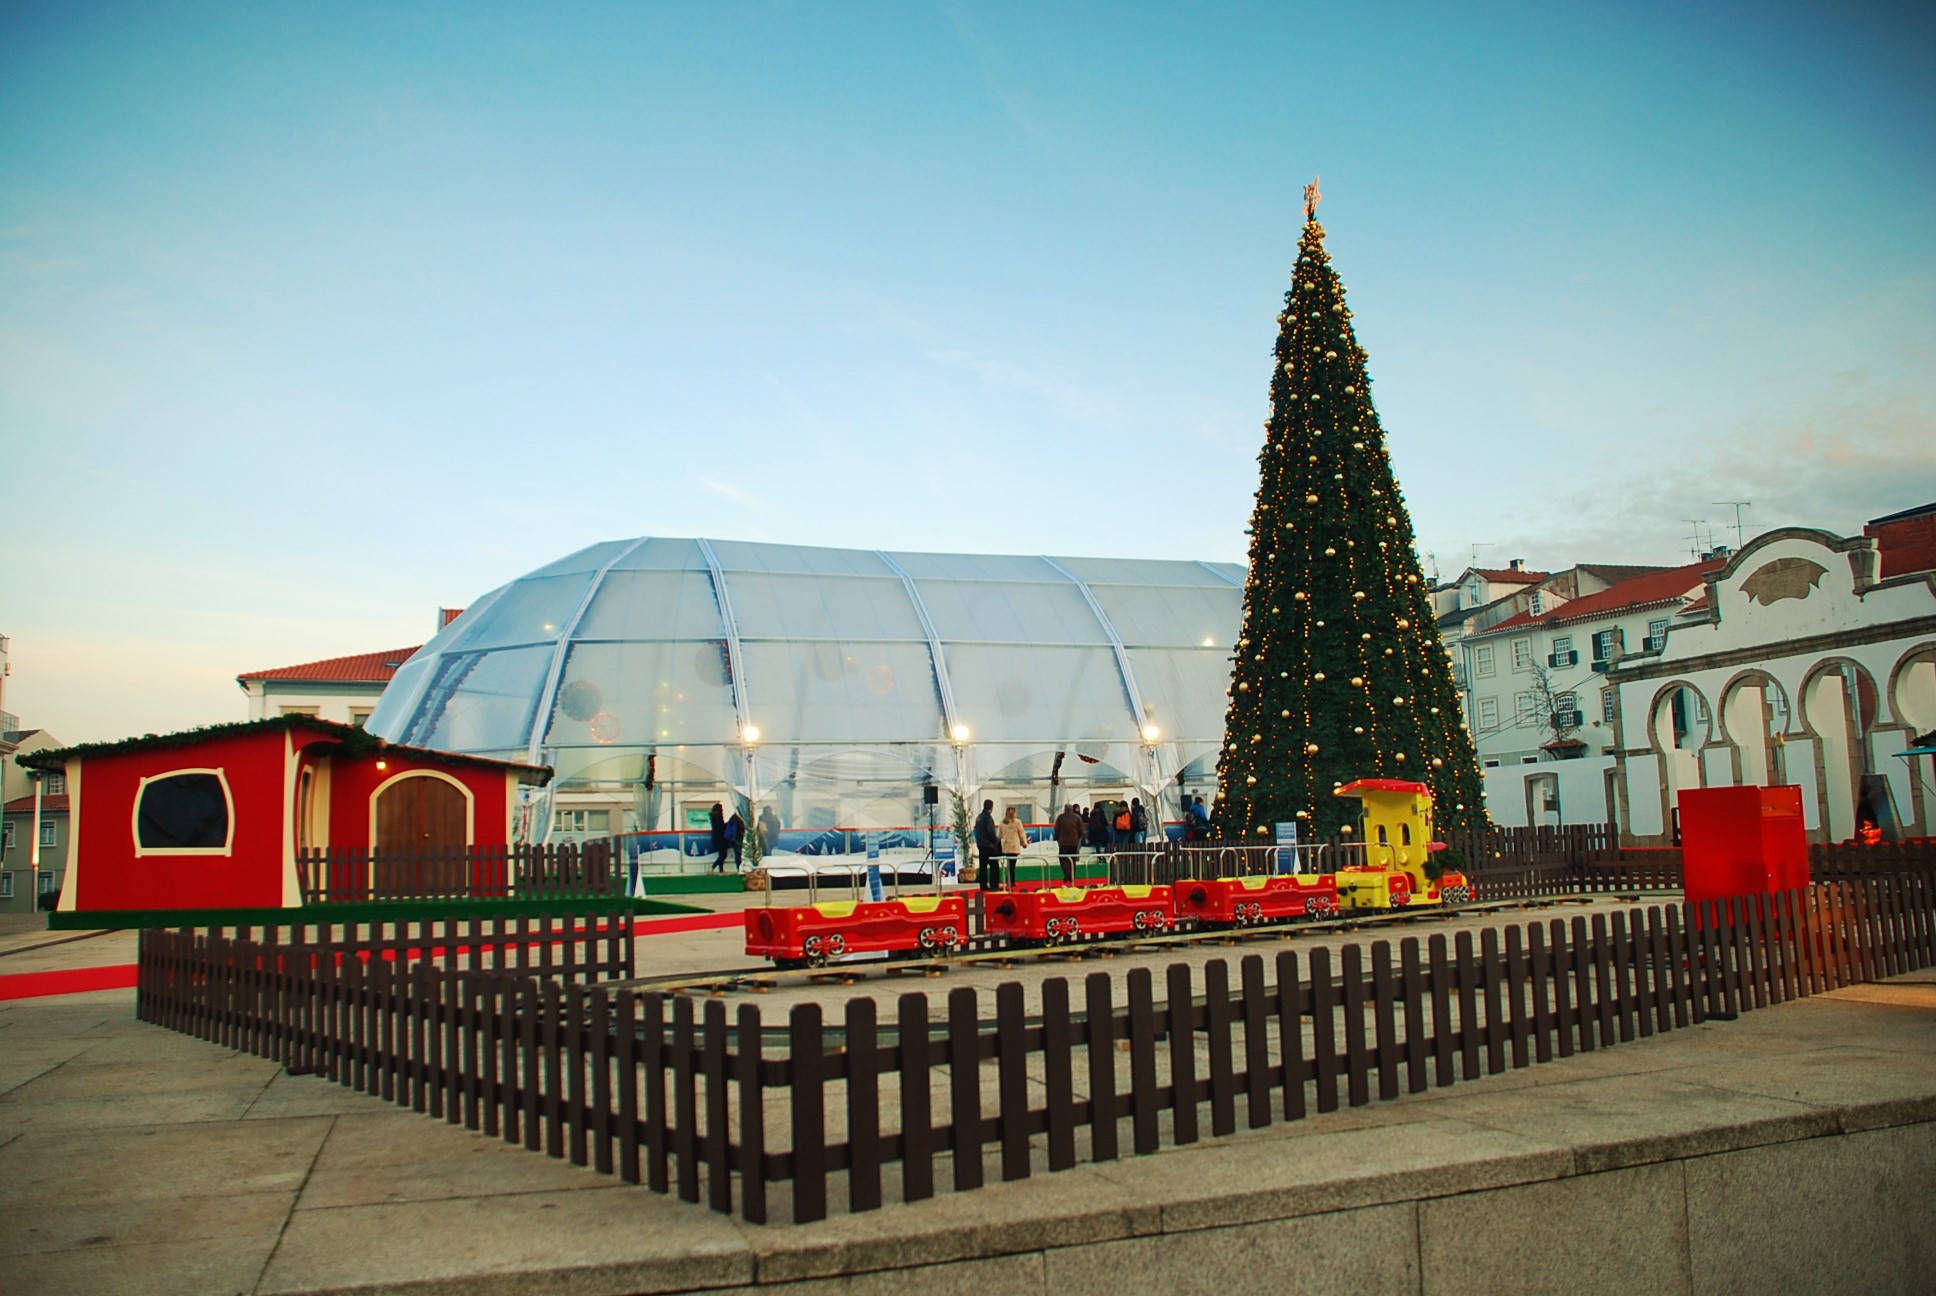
(379, 911)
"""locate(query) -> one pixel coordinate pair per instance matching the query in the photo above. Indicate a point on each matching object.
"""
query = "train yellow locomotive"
(1396, 844)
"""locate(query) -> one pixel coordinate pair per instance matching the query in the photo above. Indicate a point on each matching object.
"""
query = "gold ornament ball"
(1250, 779)
(1401, 756)
(1283, 715)
(1357, 596)
(1310, 499)
(1357, 729)
(1404, 624)
(1311, 748)
(1365, 637)
(1329, 552)
(1319, 677)
(1438, 762)
(1357, 681)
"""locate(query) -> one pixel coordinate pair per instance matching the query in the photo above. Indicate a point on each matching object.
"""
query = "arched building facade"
(1808, 668)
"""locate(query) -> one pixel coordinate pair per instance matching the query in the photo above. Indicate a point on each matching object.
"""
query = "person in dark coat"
(1138, 822)
(1068, 841)
(718, 822)
(736, 840)
(988, 845)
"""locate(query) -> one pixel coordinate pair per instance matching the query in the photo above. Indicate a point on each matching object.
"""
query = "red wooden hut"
(214, 818)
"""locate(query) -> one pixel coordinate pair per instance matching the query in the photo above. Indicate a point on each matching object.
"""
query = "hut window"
(1405, 834)
(188, 811)
(1381, 835)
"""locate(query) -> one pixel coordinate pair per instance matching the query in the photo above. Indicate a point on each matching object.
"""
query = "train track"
(994, 952)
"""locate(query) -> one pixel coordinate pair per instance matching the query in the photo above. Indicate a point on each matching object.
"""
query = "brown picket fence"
(568, 870)
(771, 1120)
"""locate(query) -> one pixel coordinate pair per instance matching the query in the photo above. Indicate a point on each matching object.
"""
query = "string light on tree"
(1334, 595)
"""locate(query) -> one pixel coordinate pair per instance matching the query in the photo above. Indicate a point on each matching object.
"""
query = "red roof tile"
(1510, 575)
(364, 668)
(1651, 590)
(49, 803)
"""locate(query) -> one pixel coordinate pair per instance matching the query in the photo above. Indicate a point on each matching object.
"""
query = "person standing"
(769, 831)
(1014, 837)
(736, 839)
(988, 845)
(718, 821)
(1138, 822)
(1068, 841)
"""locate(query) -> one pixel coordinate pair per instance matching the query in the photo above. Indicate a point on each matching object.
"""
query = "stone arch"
(1679, 723)
(1912, 688)
(1839, 723)
(1752, 721)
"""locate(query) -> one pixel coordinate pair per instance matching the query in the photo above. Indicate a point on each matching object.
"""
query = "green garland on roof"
(352, 741)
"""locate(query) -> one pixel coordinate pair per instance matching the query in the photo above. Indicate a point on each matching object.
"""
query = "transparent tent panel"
(1148, 572)
(400, 694)
(584, 562)
(978, 567)
(1183, 690)
(1169, 616)
(736, 556)
(652, 605)
(659, 554)
(1033, 692)
(1010, 612)
(830, 691)
(533, 610)
(480, 702)
(769, 606)
(644, 693)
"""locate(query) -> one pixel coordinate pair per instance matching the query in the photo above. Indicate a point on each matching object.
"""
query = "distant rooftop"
(363, 668)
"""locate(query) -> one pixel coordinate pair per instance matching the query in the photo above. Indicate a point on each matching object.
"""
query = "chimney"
(1517, 564)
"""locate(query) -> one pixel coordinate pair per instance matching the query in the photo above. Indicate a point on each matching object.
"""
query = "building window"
(583, 821)
(1563, 655)
(1605, 644)
(1482, 660)
(1526, 710)
(1522, 654)
(47, 832)
(1492, 764)
(1606, 705)
(46, 884)
(299, 711)
(6, 843)
(1488, 714)
(1566, 702)
(188, 811)
(6, 886)
(1700, 708)
(1656, 635)
(54, 784)
(360, 716)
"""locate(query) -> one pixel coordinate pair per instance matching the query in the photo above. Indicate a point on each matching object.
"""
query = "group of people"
(1106, 826)
(730, 835)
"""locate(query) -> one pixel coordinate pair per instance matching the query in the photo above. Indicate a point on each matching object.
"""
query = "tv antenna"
(1477, 545)
(1695, 539)
(1737, 505)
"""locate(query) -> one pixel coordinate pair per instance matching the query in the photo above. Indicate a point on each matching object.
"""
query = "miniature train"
(1390, 873)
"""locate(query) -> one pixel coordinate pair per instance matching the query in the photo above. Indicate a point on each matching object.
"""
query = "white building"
(1536, 693)
(343, 689)
(1802, 664)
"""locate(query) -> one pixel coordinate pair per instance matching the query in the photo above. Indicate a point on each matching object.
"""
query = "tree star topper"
(1311, 199)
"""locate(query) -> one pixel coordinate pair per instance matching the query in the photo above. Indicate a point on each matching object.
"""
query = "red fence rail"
(723, 1108)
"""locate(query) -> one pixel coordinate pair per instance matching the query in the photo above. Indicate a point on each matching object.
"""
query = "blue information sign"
(1287, 847)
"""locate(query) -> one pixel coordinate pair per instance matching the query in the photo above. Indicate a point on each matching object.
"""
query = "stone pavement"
(1791, 1150)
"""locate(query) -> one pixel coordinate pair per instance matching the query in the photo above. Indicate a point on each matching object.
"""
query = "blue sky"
(315, 318)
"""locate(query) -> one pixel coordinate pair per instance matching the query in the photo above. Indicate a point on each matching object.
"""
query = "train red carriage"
(815, 933)
(1243, 901)
(1060, 914)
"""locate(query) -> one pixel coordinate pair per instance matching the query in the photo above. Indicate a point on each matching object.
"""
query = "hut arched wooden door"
(422, 835)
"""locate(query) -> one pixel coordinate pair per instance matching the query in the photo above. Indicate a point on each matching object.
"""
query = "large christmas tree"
(1339, 670)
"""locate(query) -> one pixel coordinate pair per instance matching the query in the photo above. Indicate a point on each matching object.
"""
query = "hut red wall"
(109, 875)
(352, 782)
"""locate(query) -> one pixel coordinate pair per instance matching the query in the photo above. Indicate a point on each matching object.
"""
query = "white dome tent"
(659, 675)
